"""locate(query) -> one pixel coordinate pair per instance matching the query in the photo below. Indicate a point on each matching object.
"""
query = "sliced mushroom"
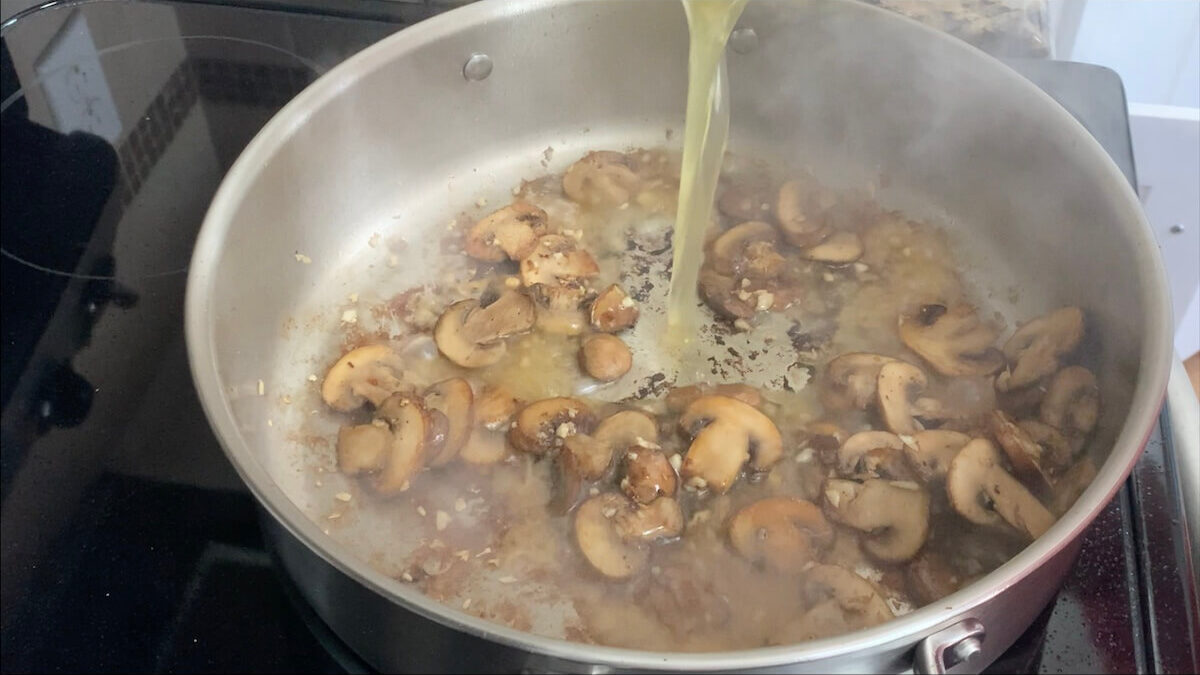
(983, 492)
(613, 310)
(556, 270)
(1025, 454)
(826, 438)
(493, 413)
(583, 459)
(893, 514)
(723, 294)
(601, 178)
(542, 426)
(370, 373)
(839, 248)
(783, 533)
(1072, 402)
(510, 232)
(484, 448)
(495, 407)
(725, 434)
(1056, 447)
(648, 475)
(873, 454)
(952, 340)
(741, 202)
(627, 428)
(454, 399)
(849, 380)
(661, 519)
(1035, 350)
(679, 398)
(1072, 483)
(600, 541)
(605, 357)
(931, 452)
(839, 602)
(801, 210)
(362, 448)
(898, 385)
(406, 452)
(747, 250)
(473, 336)
(930, 577)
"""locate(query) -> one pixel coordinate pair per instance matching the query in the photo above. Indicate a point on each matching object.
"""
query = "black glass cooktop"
(129, 543)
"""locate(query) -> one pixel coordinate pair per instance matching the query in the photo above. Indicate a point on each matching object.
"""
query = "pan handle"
(949, 647)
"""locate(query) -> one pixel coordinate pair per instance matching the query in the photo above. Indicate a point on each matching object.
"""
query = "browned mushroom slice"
(898, 385)
(495, 407)
(661, 519)
(839, 602)
(801, 210)
(542, 426)
(893, 514)
(839, 248)
(931, 452)
(981, 491)
(600, 541)
(725, 434)
(484, 448)
(473, 336)
(370, 373)
(556, 272)
(493, 413)
(849, 380)
(605, 357)
(1025, 454)
(679, 398)
(742, 202)
(1035, 350)
(1072, 402)
(510, 232)
(648, 475)
(1072, 483)
(782, 533)
(613, 310)
(952, 340)
(601, 178)
(1056, 447)
(454, 399)
(723, 295)
(406, 453)
(747, 250)
(362, 448)
(825, 438)
(627, 428)
(873, 454)
(930, 577)
(583, 459)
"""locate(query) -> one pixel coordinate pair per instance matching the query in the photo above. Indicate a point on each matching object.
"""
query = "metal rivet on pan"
(478, 67)
(743, 40)
(1177, 228)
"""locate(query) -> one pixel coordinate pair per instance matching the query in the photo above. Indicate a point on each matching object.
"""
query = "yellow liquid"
(706, 129)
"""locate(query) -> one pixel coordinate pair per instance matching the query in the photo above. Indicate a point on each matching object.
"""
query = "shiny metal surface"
(1032, 197)
(949, 647)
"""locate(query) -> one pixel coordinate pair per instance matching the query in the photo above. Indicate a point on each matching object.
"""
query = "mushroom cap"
(625, 428)
(1035, 349)
(981, 491)
(783, 533)
(455, 400)
(613, 310)
(582, 459)
(745, 202)
(543, 425)
(472, 336)
(932, 450)
(510, 232)
(726, 433)
(601, 543)
(849, 380)
(368, 373)
(893, 514)
(679, 398)
(406, 453)
(495, 407)
(720, 293)
(601, 178)
(1072, 401)
(898, 385)
(362, 448)
(1025, 454)
(839, 248)
(873, 454)
(953, 340)
(648, 475)
(605, 357)
(801, 209)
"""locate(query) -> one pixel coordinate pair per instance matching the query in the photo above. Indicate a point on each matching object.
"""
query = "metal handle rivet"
(477, 67)
(743, 40)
